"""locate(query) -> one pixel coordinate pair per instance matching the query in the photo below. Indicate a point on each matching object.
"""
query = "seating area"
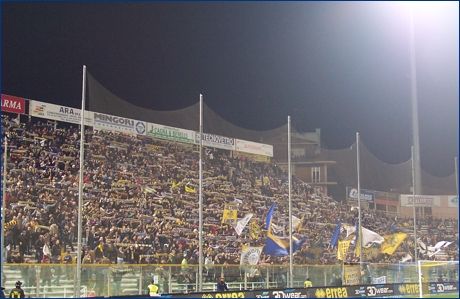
(141, 208)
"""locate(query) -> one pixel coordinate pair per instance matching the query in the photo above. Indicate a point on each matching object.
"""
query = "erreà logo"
(320, 293)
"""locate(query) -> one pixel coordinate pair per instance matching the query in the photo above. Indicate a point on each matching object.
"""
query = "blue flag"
(335, 236)
(278, 246)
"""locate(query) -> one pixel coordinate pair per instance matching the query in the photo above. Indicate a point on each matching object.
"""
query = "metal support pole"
(5, 162)
(359, 205)
(413, 205)
(415, 131)
(80, 184)
(291, 251)
(200, 205)
(140, 281)
(456, 186)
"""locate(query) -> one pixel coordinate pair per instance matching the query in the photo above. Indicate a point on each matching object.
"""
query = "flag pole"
(359, 205)
(200, 196)
(5, 162)
(291, 257)
(456, 187)
(413, 205)
(80, 184)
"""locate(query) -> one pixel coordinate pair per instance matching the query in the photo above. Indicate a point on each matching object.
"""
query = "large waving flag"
(241, 223)
(335, 236)
(370, 237)
(279, 246)
(392, 242)
(250, 256)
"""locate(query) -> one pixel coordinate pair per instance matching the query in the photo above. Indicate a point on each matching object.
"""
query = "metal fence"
(51, 280)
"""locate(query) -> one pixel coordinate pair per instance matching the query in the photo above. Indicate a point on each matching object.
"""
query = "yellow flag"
(342, 249)
(392, 242)
(189, 190)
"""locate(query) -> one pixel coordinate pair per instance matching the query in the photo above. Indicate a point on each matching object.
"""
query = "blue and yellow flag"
(278, 246)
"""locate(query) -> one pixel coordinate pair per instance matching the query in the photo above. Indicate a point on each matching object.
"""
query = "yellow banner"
(392, 242)
(342, 249)
(352, 274)
(254, 230)
(230, 213)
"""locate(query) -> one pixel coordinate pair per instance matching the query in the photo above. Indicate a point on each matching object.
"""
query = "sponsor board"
(366, 195)
(378, 290)
(443, 287)
(117, 123)
(216, 141)
(13, 104)
(254, 148)
(170, 133)
(407, 289)
(59, 113)
(339, 292)
(290, 293)
(452, 201)
(421, 200)
(262, 294)
(221, 295)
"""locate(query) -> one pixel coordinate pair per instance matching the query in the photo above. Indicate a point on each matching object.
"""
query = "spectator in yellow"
(308, 283)
(153, 289)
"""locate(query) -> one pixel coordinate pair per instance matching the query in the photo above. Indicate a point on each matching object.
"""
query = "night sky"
(343, 67)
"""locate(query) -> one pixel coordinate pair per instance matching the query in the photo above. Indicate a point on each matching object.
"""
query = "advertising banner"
(119, 124)
(404, 289)
(254, 148)
(282, 293)
(443, 287)
(378, 290)
(59, 113)
(421, 200)
(170, 133)
(13, 104)
(452, 201)
(216, 141)
(385, 198)
(333, 292)
(231, 294)
(366, 195)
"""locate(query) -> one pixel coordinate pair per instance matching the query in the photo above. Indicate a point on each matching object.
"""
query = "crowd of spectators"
(140, 203)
